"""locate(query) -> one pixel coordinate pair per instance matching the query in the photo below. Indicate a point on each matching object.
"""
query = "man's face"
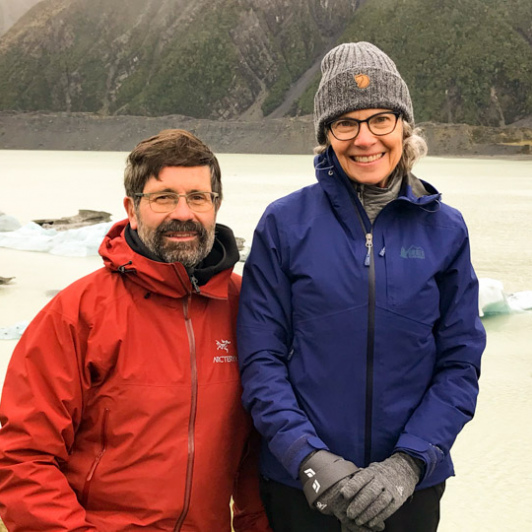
(181, 235)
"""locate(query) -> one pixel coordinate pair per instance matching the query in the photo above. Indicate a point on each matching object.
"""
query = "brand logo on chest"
(413, 252)
(223, 345)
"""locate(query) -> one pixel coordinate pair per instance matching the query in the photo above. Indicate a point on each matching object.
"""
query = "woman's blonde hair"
(414, 147)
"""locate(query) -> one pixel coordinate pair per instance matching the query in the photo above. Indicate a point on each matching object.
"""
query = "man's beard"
(189, 253)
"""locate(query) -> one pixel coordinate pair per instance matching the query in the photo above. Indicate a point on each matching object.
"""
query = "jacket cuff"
(298, 451)
(430, 454)
(322, 470)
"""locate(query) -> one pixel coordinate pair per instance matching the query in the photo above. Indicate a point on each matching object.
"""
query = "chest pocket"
(410, 270)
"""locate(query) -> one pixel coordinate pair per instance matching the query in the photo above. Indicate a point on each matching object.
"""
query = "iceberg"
(82, 219)
(14, 332)
(492, 299)
(8, 223)
(520, 301)
(79, 242)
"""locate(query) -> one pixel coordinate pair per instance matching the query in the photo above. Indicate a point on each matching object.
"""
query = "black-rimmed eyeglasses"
(379, 124)
(165, 202)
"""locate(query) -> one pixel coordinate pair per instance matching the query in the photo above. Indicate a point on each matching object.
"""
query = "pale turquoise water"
(492, 455)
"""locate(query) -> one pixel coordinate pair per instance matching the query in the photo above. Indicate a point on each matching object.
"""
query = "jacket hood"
(171, 279)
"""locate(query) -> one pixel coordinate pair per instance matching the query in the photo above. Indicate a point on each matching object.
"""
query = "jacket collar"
(337, 185)
(170, 279)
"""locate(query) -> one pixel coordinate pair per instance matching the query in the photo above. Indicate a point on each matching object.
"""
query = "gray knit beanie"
(358, 76)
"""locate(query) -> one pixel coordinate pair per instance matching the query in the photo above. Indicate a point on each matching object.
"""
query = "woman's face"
(369, 159)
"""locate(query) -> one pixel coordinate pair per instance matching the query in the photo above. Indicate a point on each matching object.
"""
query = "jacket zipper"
(369, 246)
(192, 417)
(370, 340)
(195, 284)
(92, 470)
(370, 263)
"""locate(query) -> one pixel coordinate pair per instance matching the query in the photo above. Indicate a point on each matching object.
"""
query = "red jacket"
(121, 406)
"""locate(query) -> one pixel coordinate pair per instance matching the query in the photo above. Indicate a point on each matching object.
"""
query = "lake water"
(491, 491)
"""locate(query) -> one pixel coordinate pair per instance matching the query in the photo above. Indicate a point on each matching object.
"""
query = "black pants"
(288, 511)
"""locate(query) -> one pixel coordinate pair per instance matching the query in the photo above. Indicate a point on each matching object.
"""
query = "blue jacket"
(359, 339)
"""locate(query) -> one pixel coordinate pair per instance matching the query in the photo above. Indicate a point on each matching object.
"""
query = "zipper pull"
(195, 284)
(369, 245)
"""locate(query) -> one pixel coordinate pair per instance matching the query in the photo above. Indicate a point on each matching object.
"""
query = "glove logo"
(400, 489)
(309, 472)
(321, 506)
(316, 486)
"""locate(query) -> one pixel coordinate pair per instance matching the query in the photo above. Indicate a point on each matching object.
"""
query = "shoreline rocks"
(86, 131)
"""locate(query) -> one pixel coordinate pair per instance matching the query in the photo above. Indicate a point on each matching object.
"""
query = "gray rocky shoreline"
(92, 132)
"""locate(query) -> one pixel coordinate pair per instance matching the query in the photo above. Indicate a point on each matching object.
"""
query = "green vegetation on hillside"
(193, 71)
(206, 59)
(299, 47)
(464, 60)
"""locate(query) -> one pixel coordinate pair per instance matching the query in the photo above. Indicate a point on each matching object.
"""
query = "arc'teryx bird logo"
(223, 345)
(413, 252)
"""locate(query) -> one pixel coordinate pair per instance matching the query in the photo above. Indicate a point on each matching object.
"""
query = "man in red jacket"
(121, 404)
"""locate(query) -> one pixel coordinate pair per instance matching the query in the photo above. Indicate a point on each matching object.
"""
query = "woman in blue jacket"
(359, 335)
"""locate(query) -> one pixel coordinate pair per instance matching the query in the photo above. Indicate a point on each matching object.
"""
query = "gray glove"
(332, 502)
(320, 471)
(379, 490)
(323, 474)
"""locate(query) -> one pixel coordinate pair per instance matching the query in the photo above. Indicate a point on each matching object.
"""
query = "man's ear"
(131, 212)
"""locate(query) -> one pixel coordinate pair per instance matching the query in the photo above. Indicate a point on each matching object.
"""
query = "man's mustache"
(175, 226)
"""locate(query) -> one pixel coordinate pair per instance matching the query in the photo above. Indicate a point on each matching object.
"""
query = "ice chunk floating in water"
(493, 300)
(14, 332)
(8, 223)
(79, 242)
(520, 301)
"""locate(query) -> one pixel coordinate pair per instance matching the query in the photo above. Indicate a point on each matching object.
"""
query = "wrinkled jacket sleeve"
(40, 411)
(264, 342)
(248, 511)
(450, 400)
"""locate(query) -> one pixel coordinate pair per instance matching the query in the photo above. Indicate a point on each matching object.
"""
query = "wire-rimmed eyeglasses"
(379, 124)
(165, 202)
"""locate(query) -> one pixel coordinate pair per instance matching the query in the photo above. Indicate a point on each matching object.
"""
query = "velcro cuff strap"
(318, 482)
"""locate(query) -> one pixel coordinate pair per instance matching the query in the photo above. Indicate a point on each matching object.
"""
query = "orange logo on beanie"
(362, 80)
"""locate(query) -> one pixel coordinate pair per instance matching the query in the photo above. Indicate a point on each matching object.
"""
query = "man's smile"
(181, 235)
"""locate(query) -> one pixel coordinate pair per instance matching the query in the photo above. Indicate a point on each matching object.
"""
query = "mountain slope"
(464, 61)
(204, 58)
